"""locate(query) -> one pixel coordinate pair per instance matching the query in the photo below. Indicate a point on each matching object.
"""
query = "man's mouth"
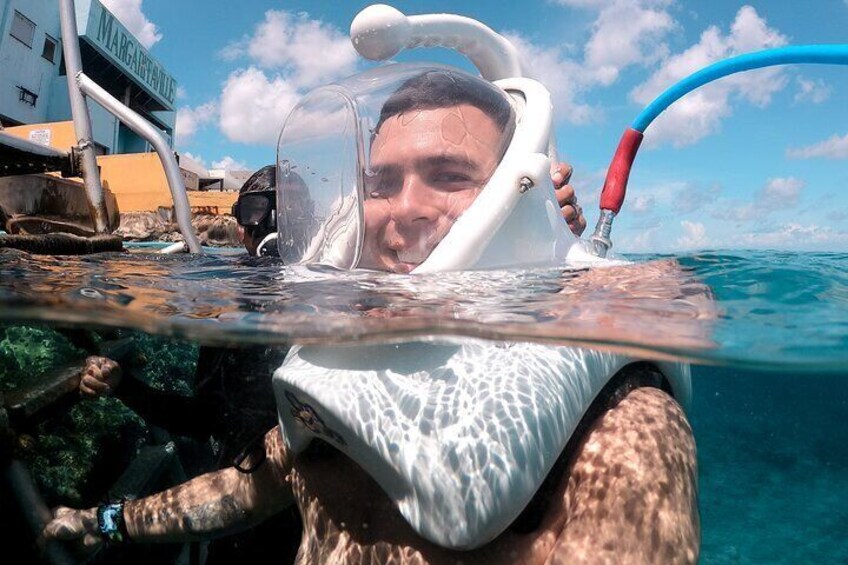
(414, 256)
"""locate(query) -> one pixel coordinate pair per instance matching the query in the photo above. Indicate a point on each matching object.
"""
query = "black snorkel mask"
(257, 211)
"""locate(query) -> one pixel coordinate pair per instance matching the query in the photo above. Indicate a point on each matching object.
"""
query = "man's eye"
(452, 177)
(377, 190)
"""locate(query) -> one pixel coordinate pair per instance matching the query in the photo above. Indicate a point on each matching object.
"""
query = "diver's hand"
(101, 376)
(567, 199)
(76, 526)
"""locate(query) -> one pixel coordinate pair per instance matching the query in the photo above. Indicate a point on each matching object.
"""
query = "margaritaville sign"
(105, 33)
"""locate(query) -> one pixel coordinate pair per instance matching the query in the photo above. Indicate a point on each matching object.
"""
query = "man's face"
(427, 167)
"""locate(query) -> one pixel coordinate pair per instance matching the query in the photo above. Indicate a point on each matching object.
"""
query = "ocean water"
(767, 333)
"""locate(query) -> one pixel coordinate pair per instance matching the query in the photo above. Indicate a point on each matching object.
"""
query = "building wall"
(137, 180)
(139, 185)
(58, 135)
(24, 66)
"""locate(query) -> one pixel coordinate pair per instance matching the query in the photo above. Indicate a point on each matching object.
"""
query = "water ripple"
(775, 310)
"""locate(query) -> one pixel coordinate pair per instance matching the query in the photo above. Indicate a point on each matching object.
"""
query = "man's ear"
(240, 230)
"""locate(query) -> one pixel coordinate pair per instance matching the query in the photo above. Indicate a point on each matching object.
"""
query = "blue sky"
(759, 160)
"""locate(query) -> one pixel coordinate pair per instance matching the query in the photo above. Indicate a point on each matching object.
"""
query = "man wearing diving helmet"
(623, 490)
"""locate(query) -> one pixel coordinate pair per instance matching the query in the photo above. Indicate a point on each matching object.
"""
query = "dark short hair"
(445, 88)
(263, 179)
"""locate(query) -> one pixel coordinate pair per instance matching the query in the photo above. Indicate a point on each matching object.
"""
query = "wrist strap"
(110, 521)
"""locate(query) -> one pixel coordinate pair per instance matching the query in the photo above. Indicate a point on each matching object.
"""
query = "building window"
(23, 29)
(27, 96)
(49, 51)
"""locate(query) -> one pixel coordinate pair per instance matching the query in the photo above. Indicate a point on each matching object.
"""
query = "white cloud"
(796, 236)
(181, 93)
(646, 240)
(815, 91)
(190, 120)
(780, 192)
(833, 148)
(254, 106)
(196, 158)
(641, 204)
(563, 77)
(229, 164)
(291, 54)
(627, 32)
(737, 211)
(694, 235)
(689, 198)
(308, 51)
(130, 14)
(699, 113)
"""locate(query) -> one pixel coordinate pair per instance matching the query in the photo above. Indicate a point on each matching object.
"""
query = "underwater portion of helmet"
(374, 171)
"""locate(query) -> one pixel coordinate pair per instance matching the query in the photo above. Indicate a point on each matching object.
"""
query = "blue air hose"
(615, 185)
(815, 54)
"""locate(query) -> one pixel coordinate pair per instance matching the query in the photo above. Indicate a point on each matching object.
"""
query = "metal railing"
(80, 86)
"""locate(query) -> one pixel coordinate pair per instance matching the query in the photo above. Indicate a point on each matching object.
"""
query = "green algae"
(27, 351)
(76, 453)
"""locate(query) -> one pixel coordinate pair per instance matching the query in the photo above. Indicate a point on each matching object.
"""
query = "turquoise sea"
(769, 351)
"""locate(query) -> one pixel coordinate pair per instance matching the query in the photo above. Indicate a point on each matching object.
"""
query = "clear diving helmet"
(419, 168)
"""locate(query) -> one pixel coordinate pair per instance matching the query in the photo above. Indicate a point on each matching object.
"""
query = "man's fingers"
(562, 175)
(112, 370)
(62, 511)
(577, 226)
(93, 384)
(93, 361)
(565, 195)
(65, 528)
(92, 541)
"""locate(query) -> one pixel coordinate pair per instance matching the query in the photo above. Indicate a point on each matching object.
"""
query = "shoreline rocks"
(212, 230)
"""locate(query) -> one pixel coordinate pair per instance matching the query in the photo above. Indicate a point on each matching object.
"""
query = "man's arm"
(211, 505)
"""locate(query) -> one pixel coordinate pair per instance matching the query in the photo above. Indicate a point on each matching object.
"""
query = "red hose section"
(615, 185)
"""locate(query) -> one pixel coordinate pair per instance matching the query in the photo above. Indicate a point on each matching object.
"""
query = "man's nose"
(412, 204)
